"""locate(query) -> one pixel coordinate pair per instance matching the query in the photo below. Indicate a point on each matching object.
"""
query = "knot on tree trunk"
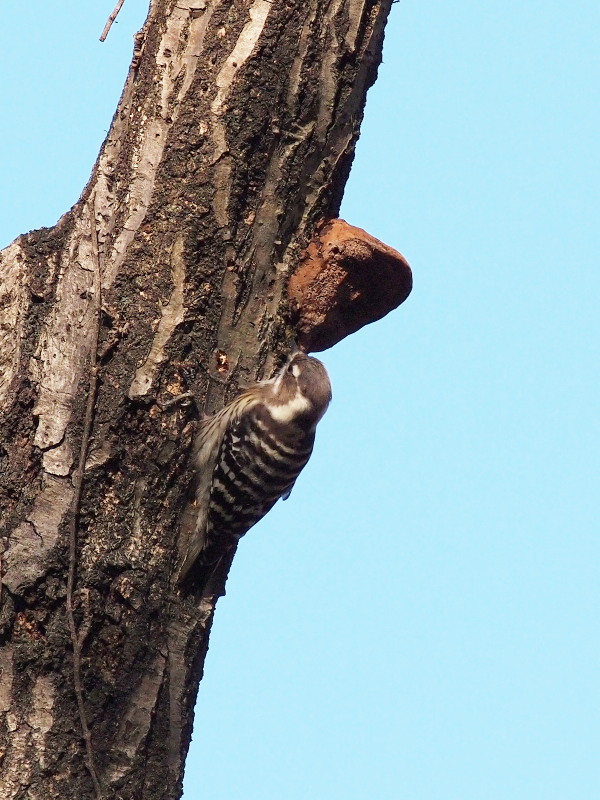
(345, 279)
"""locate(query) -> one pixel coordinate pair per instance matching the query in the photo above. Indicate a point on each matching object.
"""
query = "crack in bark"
(258, 12)
(35, 530)
(14, 305)
(151, 135)
(136, 720)
(28, 730)
(172, 315)
(25, 557)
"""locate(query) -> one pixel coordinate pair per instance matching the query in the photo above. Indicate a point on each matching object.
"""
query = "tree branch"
(110, 20)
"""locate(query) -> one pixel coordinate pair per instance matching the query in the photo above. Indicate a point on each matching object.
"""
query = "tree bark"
(232, 140)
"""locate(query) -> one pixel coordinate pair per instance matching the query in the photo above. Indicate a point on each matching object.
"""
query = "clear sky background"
(420, 620)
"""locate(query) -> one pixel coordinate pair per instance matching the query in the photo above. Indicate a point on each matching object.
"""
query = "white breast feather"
(290, 410)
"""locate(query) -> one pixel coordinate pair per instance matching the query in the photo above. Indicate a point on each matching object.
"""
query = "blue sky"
(419, 620)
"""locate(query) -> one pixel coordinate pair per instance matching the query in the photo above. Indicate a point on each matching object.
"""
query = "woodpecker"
(249, 454)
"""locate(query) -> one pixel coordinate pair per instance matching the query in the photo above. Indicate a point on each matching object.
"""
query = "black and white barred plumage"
(249, 455)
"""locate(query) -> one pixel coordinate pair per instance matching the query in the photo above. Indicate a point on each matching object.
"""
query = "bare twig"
(180, 398)
(110, 20)
(77, 638)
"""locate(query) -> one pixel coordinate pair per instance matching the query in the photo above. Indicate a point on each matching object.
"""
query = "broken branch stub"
(345, 279)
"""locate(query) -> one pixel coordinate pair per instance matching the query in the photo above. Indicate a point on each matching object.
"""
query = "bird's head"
(301, 390)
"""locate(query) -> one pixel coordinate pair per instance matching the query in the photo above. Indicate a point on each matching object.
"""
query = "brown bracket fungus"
(345, 279)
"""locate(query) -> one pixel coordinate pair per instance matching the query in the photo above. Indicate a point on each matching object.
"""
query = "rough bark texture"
(233, 138)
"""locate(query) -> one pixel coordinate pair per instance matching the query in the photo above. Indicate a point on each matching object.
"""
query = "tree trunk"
(232, 140)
